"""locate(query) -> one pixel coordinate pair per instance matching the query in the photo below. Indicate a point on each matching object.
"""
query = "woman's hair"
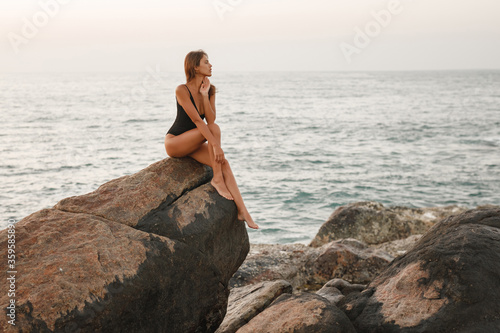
(192, 60)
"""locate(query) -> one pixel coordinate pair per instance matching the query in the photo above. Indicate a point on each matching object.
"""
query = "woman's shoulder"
(180, 87)
(181, 90)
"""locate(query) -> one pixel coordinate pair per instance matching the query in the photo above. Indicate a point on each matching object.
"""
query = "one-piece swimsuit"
(182, 122)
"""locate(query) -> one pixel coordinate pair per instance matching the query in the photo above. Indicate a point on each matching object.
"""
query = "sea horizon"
(300, 145)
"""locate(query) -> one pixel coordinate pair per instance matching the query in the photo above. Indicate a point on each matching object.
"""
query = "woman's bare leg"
(218, 179)
(183, 144)
(188, 143)
(243, 213)
(202, 155)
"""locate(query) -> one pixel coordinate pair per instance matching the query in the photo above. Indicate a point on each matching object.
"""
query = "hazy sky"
(255, 35)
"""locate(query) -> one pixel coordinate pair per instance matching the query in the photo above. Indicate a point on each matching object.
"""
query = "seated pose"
(191, 136)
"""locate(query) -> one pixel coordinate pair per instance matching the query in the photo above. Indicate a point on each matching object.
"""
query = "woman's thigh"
(202, 155)
(184, 144)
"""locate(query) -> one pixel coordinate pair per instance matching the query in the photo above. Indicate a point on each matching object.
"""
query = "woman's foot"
(220, 186)
(248, 219)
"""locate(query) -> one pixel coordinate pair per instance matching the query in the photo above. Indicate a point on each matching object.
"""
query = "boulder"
(347, 259)
(372, 223)
(269, 262)
(103, 262)
(398, 247)
(299, 313)
(246, 302)
(448, 282)
(129, 198)
(335, 290)
(308, 268)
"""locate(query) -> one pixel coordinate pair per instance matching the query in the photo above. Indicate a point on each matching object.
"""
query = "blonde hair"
(192, 60)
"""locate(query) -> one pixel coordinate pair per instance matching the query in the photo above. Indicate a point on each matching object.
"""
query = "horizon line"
(260, 71)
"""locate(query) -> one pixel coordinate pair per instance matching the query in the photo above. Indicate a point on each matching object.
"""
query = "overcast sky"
(249, 35)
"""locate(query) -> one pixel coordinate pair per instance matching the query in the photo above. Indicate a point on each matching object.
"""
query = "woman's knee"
(215, 129)
(171, 149)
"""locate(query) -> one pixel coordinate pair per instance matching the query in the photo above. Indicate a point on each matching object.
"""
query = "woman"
(191, 136)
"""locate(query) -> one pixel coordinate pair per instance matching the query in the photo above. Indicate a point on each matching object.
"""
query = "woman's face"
(205, 67)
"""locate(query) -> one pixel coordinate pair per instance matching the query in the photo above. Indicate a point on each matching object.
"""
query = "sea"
(300, 144)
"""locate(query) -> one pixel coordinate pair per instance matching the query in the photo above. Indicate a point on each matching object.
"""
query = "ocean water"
(300, 143)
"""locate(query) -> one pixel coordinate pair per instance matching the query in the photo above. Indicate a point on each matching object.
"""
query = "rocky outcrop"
(269, 262)
(449, 282)
(308, 268)
(335, 290)
(347, 259)
(300, 313)
(247, 302)
(372, 223)
(398, 247)
(148, 252)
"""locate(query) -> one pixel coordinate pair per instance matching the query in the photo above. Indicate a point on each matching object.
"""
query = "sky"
(249, 35)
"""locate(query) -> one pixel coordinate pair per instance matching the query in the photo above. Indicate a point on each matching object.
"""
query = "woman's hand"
(205, 86)
(219, 154)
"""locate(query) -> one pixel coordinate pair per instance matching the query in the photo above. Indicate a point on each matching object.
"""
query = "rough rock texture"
(129, 198)
(246, 302)
(82, 266)
(398, 247)
(268, 262)
(449, 282)
(308, 268)
(347, 259)
(335, 290)
(372, 223)
(300, 313)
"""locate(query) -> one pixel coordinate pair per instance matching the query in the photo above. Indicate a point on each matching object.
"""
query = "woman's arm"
(183, 98)
(208, 102)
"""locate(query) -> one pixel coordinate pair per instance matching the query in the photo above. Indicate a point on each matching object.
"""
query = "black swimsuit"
(182, 122)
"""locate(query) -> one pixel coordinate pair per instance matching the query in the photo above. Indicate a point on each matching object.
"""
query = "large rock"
(84, 265)
(247, 302)
(335, 290)
(347, 259)
(269, 262)
(399, 246)
(308, 268)
(449, 282)
(300, 313)
(129, 198)
(372, 223)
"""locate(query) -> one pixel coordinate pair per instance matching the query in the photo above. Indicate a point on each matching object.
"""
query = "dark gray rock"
(449, 282)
